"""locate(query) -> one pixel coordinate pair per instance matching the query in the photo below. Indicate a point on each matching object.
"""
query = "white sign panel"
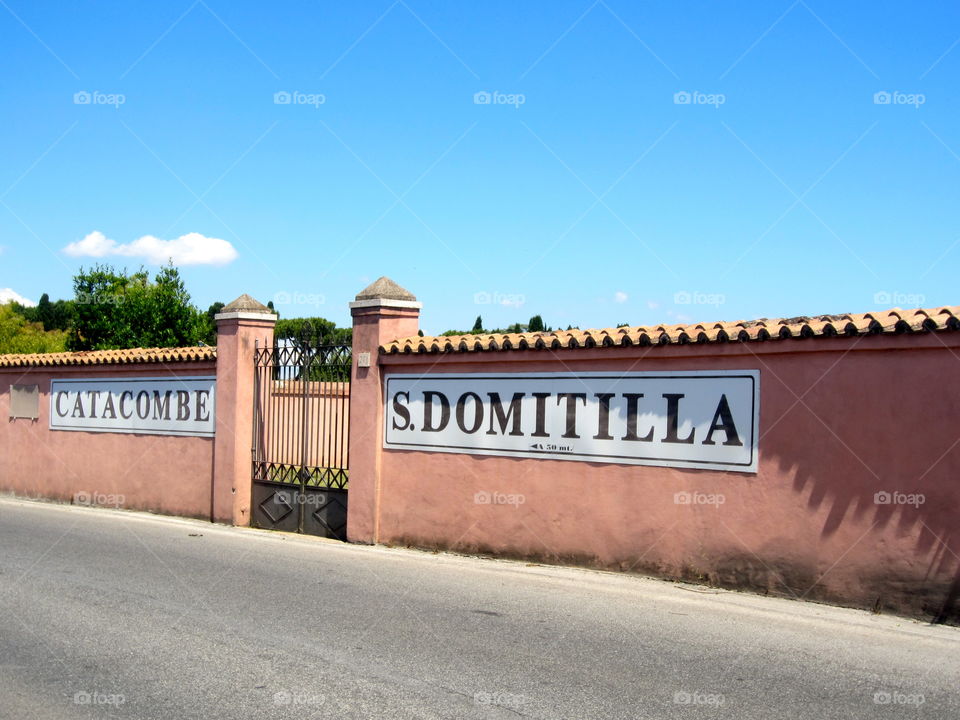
(691, 419)
(153, 406)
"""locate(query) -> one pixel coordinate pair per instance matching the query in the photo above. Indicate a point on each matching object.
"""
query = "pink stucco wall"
(159, 473)
(841, 419)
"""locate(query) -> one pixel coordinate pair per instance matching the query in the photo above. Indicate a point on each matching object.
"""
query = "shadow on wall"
(874, 443)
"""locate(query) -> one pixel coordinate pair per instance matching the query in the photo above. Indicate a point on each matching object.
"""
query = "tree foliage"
(535, 325)
(313, 331)
(116, 310)
(20, 335)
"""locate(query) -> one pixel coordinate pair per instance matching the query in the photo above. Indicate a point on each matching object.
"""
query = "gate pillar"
(382, 312)
(239, 325)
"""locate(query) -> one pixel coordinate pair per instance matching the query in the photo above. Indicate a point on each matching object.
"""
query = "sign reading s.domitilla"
(696, 419)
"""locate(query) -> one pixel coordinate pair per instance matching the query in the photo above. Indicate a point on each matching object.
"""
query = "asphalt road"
(108, 614)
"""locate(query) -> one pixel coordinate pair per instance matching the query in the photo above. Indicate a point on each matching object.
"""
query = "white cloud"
(653, 304)
(189, 249)
(8, 295)
(620, 296)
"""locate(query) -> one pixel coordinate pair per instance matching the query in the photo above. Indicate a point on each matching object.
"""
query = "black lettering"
(673, 420)
(77, 408)
(477, 412)
(571, 431)
(109, 410)
(94, 395)
(123, 400)
(143, 404)
(723, 420)
(401, 410)
(183, 405)
(541, 415)
(496, 410)
(603, 420)
(202, 414)
(60, 396)
(161, 408)
(428, 396)
(633, 400)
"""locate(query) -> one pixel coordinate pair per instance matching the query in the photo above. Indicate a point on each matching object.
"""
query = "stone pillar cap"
(245, 308)
(384, 292)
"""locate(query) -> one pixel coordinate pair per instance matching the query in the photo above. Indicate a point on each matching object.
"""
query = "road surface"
(110, 614)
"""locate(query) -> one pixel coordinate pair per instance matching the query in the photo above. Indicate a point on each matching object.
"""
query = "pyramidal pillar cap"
(245, 308)
(384, 292)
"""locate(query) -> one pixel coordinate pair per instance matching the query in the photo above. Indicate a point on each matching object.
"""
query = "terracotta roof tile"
(111, 357)
(891, 321)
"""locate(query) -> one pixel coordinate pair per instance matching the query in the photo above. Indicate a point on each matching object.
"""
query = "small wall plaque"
(363, 359)
(25, 402)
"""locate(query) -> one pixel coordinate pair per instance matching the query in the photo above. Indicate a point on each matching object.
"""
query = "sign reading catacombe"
(677, 419)
(154, 406)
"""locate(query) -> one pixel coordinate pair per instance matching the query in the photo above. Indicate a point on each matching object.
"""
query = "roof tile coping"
(893, 321)
(111, 357)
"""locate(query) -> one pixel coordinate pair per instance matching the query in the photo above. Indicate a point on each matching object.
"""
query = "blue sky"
(586, 189)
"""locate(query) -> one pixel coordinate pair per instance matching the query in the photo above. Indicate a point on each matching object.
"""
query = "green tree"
(19, 335)
(536, 324)
(478, 324)
(313, 331)
(117, 310)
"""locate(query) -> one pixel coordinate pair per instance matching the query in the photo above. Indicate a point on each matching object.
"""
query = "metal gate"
(301, 420)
